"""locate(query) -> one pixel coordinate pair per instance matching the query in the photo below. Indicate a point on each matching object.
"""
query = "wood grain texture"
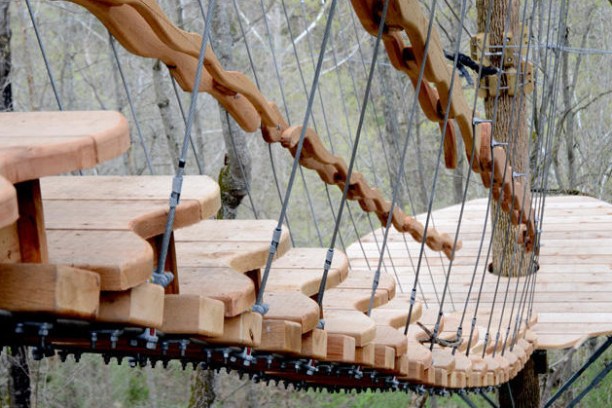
(38, 144)
(193, 314)
(142, 305)
(58, 290)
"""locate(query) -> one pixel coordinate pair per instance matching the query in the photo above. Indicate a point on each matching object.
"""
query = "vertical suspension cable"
(288, 116)
(330, 251)
(436, 171)
(41, 46)
(159, 276)
(270, 154)
(259, 307)
(199, 164)
(443, 132)
(131, 104)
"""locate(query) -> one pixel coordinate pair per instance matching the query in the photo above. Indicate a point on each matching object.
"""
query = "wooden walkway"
(573, 287)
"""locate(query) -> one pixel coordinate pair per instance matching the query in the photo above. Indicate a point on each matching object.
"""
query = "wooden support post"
(523, 391)
(31, 223)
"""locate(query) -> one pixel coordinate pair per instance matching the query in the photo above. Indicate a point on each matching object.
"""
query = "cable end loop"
(163, 279)
(260, 308)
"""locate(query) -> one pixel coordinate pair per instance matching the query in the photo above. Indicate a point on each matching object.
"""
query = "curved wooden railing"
(494, 168)
(143, 29)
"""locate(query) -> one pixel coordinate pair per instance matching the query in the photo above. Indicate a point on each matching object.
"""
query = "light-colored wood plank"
(233, 251)
(294, 307)
(350, 323)
(384, 357)
(314, 344)
(38, 144)
(395, 313)
(59, 290)
(340, 348)
(193, 314)
(121, 258)
(301, 269)
(234, 289)
(353, 299)
(142, 305)
(281, 336)
(146, 218)
(242, 330)
(202, 189)
(365, 355)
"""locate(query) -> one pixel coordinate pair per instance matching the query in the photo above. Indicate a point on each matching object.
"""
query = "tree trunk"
(6, 104)
(163, 104)
(19, 384)
(203, 389)
(523, 391)
(235, 176)
(510, 126)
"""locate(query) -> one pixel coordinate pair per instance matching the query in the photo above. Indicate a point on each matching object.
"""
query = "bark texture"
(19, 382)
(523, 391)
(235, 176)
(510, 126)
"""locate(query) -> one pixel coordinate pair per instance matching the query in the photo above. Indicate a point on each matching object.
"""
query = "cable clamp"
(162, 279)
(478, 121)
(260, 308)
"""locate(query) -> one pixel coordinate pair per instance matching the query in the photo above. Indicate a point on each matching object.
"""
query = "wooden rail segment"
(407, 16)
(143, 29)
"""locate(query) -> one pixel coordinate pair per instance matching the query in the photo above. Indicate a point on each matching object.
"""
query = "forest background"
(276, 44)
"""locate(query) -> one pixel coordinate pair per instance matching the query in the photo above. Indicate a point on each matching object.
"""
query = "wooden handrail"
(407, 16)
(143, 29)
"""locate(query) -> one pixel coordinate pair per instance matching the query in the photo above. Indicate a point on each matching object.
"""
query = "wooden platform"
(572, 297)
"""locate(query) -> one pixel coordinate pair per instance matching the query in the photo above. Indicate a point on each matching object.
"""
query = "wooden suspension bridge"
(79, 253)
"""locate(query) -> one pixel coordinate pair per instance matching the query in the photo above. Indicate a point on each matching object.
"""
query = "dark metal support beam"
(578, 373)
(602, 374)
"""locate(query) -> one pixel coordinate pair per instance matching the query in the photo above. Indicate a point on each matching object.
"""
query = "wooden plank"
(390, 337)
(202, 189)
(350, 323)
(242, 330)
(395, 313)
(59, 290)
(145, 218)
(243, 250)
(340, 348)
(234, 289)
(384, 357)
(365, 355)
(281, 336)
(362, 279)
(302, 269)
(122, 259)
(294, 307)
(352, 299)
(314, 344)
(38, 144)
(193, 314)
(142, 306)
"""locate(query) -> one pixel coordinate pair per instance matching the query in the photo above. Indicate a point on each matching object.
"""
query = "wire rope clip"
(149, 336)
(260, 308)
(163, 279)
(247, 356)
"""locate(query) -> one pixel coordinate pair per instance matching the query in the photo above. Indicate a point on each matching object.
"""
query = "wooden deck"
(573, 286)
